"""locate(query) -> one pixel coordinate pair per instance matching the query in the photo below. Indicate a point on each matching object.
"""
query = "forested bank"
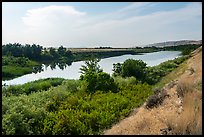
(21, 59)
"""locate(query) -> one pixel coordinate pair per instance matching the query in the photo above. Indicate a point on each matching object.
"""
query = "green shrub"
(58, 111)
(31, 87)
(25, 114)
(134, 68)
(125, 83)
(92, 113)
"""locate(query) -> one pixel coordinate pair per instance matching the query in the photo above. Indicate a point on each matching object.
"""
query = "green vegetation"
(147, 49)
(31, 87)
(86, 106)
(172, 75)
(70, 109)
(95, 78)
(16, 66)
(37, 52)
(86, 55)
(63, 56)
(185, 49)
(142, 73)
(133, 68)
(155, 73)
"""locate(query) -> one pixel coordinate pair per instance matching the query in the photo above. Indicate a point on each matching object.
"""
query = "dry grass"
(183, 88)
(190, 120)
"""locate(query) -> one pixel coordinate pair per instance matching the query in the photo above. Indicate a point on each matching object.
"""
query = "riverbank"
(72, 71)
(13, 67)
(180, 113)
(40, 55)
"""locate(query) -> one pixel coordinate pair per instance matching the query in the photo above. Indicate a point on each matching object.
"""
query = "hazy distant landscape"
(176, 43)
(112, 68)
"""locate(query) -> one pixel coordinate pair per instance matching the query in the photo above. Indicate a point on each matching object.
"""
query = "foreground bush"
(92, 113)
(24, 115)
(69, 109)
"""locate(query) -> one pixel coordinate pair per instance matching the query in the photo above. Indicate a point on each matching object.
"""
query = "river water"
(73, 72)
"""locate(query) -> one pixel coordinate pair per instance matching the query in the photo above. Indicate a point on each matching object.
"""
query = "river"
(73, 72)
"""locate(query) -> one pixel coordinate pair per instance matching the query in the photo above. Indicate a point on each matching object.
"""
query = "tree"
(53, 53)
(117, 69)
(62, 51)
(95, 78)
(105, 82)
(91, 66)
(134, 68)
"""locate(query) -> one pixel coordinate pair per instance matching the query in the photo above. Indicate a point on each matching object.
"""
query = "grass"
(13, 67)
(31, 87)
(10, 72)
(172, 75)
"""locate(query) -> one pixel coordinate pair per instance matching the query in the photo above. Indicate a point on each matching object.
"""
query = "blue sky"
(89, 24)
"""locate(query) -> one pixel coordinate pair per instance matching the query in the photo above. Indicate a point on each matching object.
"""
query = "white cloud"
(65, 25)
(52, 15)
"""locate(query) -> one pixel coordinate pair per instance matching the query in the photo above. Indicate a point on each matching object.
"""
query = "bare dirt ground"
(154, 121)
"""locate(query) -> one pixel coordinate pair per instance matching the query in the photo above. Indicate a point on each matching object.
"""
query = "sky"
(96, 24)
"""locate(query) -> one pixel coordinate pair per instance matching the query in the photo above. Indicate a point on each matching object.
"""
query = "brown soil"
(152, 121)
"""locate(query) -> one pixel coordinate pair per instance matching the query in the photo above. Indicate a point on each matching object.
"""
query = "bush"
(125, 83)
(157, 98)
(134, 68)
(72, 85)
(105, 82)
(99, 81)
(95, 78)
(22, 118)
(25, 114)
(31, 87)
(153, 100)
(89, 114)
(57, 111)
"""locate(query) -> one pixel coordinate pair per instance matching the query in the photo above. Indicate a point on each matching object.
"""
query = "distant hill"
(174, 43)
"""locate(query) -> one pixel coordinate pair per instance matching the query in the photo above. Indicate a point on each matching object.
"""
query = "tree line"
(37, 52)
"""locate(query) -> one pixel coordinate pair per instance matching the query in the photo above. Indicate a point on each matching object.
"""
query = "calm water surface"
(73, 72)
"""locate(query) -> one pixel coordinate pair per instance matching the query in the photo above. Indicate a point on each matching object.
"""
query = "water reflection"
(38, 69)
(61, 65)
(71, 70)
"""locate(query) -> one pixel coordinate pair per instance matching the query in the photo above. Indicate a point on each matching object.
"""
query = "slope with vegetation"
(175, 108)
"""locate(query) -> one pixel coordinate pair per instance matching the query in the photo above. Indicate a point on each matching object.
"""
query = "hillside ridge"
(175, 43)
